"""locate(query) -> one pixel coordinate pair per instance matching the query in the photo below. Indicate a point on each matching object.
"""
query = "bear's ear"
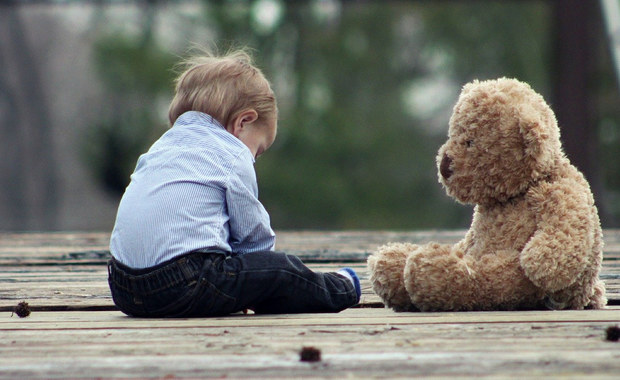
(532, 131)
(541, 143)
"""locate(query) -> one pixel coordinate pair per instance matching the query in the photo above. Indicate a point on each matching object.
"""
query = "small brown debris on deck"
(22, 309)
(612, 333)
(310, 354)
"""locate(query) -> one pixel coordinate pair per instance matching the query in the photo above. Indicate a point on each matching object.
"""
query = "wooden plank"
(66, 271)
(354, 343)
(311, 246)
(92, 248)
(350, 317)
(578, 364)
(86, 288)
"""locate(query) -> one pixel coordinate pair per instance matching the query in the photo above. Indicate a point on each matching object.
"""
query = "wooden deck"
(74, 331)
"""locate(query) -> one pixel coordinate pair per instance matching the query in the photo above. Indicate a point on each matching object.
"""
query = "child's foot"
(350, 274)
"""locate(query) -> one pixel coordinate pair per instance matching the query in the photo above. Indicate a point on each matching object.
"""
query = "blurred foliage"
(485, 40)
(113, 146)
(136, 74)
(609, 134)
(133, 65)
(352, 151)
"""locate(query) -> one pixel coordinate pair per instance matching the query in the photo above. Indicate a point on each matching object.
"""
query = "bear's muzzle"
(444, 167)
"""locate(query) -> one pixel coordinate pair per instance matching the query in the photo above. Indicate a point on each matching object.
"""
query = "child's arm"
(250, 227)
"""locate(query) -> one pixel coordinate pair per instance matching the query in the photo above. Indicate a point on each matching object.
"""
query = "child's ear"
(242, 120)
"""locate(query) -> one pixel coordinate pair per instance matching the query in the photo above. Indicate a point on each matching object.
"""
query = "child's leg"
(210, 284)
(273, 282)
(182, 287)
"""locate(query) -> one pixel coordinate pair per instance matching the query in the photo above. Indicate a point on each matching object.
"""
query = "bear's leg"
(587, 290)
(386, 274)
(598, 299)
(437, 278)
(441, 277)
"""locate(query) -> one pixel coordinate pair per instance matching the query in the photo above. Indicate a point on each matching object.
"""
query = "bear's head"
(502, 138)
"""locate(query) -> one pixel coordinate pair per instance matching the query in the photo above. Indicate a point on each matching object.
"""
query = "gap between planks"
(116, 320)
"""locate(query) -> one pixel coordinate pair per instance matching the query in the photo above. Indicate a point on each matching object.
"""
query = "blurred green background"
(365, 92)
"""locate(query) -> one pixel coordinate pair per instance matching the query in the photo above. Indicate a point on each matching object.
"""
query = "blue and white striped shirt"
(195, 188)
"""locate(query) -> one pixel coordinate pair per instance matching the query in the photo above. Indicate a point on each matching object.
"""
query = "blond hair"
(223, 87)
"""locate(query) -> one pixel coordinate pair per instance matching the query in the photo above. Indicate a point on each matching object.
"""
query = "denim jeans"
(218, 283)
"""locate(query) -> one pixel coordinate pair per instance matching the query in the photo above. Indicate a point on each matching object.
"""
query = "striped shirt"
(194, 189)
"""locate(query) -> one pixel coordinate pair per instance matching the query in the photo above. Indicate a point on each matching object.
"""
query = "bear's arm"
(558, 250)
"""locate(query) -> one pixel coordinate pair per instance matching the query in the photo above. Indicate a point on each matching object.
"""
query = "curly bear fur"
(535, 240)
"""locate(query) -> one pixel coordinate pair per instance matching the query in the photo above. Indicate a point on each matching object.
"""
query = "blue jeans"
(217, 283)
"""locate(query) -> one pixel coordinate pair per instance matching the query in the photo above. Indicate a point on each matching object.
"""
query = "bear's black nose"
(444, 167)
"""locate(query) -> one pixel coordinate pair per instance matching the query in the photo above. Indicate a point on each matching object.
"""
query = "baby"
(191, 237)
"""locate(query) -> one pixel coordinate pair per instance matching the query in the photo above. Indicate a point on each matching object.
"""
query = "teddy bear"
(535, 240)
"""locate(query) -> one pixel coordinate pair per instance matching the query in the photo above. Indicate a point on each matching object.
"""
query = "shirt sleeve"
(250, 227)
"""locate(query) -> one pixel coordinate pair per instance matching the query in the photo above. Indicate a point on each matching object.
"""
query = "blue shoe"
(350, 273)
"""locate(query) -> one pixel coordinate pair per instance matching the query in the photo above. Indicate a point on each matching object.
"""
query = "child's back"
(191, 237)
(181, 197)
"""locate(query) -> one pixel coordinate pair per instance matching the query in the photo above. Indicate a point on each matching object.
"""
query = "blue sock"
(352, 276)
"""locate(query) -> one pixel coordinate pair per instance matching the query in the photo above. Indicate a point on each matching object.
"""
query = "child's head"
(229, 88)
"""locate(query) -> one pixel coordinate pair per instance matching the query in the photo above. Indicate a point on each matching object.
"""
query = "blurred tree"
(348, 154)
(136, 74)
(485, 39)
(604, 102)
(365, 91)
(28, 168)
(577, 24)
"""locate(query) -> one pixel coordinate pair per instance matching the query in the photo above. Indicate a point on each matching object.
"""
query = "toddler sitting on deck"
(191, 237)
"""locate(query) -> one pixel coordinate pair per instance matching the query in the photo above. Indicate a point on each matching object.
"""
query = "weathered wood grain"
(358, 343)
(75, 332)
(373, 316)
(311, 246)
(88, 290)
(67, 271)
(76, 287)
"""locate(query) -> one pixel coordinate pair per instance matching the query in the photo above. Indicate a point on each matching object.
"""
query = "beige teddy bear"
(535, 240)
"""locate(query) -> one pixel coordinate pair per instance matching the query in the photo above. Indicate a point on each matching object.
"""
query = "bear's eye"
(469, 143)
